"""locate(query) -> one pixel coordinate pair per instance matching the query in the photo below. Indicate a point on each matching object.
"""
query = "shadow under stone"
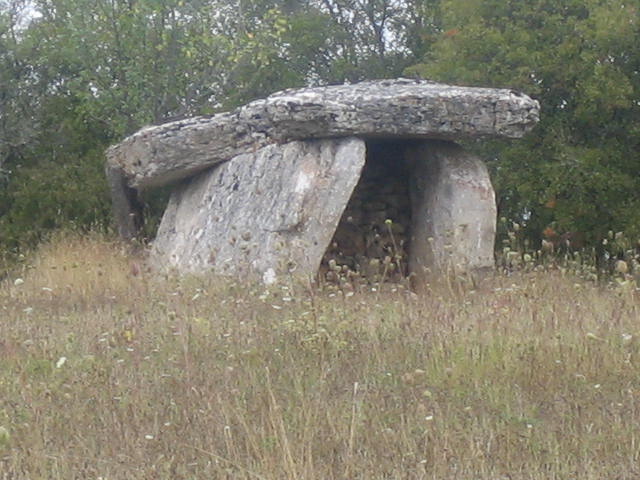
(371, 242)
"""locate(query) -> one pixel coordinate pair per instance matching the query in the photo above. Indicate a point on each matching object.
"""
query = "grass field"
(109, 372)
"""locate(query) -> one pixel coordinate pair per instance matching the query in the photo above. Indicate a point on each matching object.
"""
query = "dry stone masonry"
(372, 239)
(359, 180)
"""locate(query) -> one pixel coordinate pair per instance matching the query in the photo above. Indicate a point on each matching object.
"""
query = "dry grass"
(113, 374)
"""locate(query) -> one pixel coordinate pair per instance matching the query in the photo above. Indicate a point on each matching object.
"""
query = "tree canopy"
(581, 59)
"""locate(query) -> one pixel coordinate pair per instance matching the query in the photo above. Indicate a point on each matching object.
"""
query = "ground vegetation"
(111, 372)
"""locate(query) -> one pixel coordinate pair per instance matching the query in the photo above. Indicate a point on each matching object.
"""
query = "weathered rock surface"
(264, 214)
(453, 209)
(387, 109)
(125, 205)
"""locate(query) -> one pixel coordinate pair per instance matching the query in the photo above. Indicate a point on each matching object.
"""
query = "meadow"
(108, 371)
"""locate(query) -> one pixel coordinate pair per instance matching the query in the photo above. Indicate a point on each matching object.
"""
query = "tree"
(581, 59)
(17, 99)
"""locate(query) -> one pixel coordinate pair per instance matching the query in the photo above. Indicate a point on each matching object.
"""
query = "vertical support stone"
(126, 207)
(262, 215)
(453, 209)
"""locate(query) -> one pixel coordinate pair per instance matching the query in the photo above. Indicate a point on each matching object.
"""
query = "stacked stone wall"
(372, 238)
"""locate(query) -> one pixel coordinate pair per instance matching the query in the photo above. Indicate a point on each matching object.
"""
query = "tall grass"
(108, 371)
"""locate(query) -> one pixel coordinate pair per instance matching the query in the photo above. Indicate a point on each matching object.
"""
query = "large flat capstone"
(401, 108)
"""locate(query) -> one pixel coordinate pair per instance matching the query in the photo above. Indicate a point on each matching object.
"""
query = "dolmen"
(350, 180)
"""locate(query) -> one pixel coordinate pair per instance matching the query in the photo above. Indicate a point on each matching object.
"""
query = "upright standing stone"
(125, 205)
(453, 210)
(261, 215)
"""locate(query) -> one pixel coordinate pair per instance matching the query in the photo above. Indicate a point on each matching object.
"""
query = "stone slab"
(453, 211)
(125, 205)
(263, 215)
(389, 109)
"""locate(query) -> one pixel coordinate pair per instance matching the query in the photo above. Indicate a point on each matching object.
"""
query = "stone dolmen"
(363, 178)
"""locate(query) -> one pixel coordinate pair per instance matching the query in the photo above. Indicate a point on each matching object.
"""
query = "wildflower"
(513, 256)
(547, 246)
(621, 266)
(269, 277)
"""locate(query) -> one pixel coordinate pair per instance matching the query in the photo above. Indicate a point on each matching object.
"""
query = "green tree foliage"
(579, 170)
(17, 92)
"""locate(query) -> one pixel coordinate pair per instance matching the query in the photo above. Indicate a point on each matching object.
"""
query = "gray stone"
(125, 205)
(453, 211)
(262, 215)
(269, 190)
(377, 109)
